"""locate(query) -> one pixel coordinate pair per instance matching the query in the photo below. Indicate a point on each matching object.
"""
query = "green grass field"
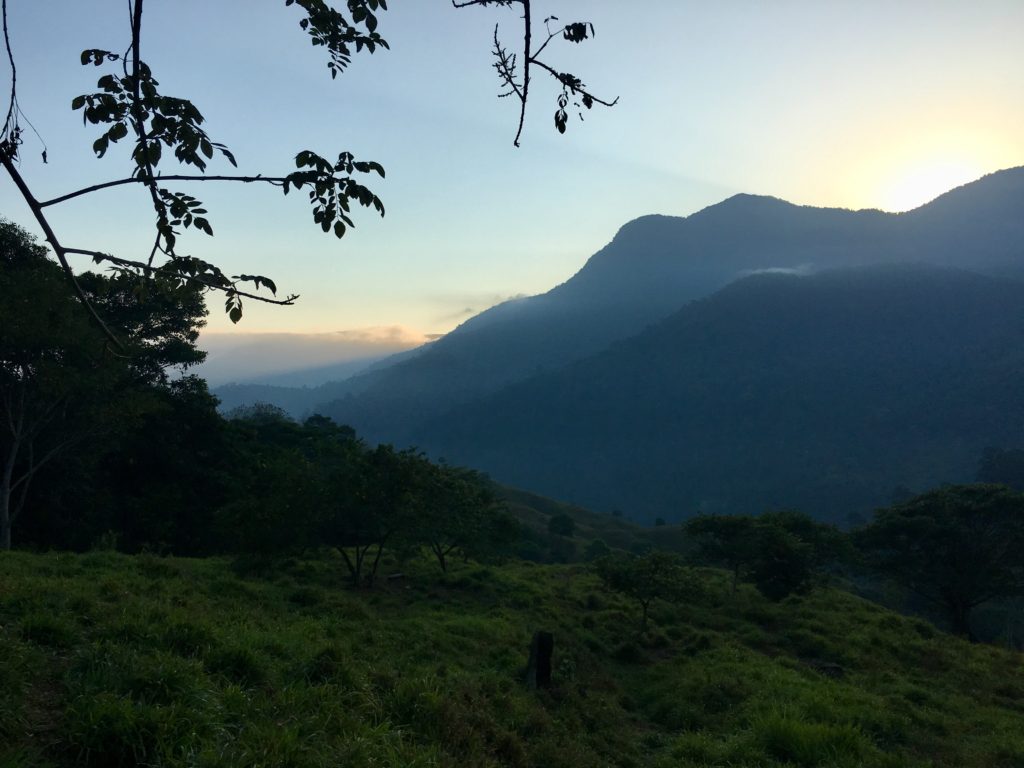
(110, 660)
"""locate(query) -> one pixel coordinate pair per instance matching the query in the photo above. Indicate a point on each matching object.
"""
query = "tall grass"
(108, 660)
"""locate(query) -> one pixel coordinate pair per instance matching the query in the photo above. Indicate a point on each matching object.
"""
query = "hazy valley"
(667, 377)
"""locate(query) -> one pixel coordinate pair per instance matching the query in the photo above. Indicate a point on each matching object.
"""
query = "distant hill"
(286, 390)
(536, 542)
(823, 392)
(654, 266)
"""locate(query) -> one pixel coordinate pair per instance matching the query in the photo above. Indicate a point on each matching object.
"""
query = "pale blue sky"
(856, 104)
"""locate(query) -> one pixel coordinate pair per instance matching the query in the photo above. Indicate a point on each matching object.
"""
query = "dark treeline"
(114, 445)
(189, 482)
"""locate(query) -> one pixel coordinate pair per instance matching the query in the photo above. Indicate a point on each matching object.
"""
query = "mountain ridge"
(873, 377)
(656, 264)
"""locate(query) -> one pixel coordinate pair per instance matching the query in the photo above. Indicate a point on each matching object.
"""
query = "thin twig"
(558, 76)
(139, 120)
(531, 59)
(143, 266)
(276, 181)
(526, 70)
(14, 72)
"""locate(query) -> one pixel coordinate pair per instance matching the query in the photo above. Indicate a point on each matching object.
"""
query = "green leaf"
(235, 314)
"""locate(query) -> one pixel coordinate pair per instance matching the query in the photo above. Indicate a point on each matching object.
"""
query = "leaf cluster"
(131, 103)
(333, 189)
(329, 28)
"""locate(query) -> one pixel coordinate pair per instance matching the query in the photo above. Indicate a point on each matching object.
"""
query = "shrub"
(47, 630)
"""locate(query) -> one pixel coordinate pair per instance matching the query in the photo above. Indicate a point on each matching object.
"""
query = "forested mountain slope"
(823, 392)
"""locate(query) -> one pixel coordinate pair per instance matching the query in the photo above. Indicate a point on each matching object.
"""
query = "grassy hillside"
(534, 513)
(112, 660)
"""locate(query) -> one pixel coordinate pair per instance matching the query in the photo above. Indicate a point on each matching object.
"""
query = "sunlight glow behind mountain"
(923, 183)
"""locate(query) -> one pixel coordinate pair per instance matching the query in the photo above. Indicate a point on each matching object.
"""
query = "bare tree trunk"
(6, 491)
(5, 518)
(440, 553)
(353, 568)
(376, 562)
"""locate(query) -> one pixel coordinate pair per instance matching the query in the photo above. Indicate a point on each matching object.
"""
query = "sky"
(855, 104)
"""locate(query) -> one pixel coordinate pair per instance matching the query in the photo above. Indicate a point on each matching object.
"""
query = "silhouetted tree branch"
(128, 103)
(518, 85)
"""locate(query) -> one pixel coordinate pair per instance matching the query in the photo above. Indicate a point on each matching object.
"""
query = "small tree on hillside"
(783, 563)
(370, 500)
(779, 552)
(956, 547)
(728, 541)
(454, 509)
(646, 578)
(595, 550)
(561, 525)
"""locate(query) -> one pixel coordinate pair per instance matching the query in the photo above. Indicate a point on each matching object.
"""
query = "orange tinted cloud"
(248, 356)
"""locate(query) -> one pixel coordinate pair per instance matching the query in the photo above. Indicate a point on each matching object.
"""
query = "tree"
(595, 550)
(782, 565)
(60, 384)
(827, 546)
(276, 484)
(778, 551)
(129, 106)
(561, 524)
(164, 495)
(369, 501)
(645, 578)
(454, 511)
(956, 547)
(728, 541)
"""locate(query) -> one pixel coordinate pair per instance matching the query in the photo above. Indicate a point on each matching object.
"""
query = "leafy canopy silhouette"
(129, 105)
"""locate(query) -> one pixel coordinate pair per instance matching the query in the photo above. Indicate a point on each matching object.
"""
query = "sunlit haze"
(851, 104)
(920, 185)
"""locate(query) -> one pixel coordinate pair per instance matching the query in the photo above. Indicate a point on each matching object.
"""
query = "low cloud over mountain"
(299, 358)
